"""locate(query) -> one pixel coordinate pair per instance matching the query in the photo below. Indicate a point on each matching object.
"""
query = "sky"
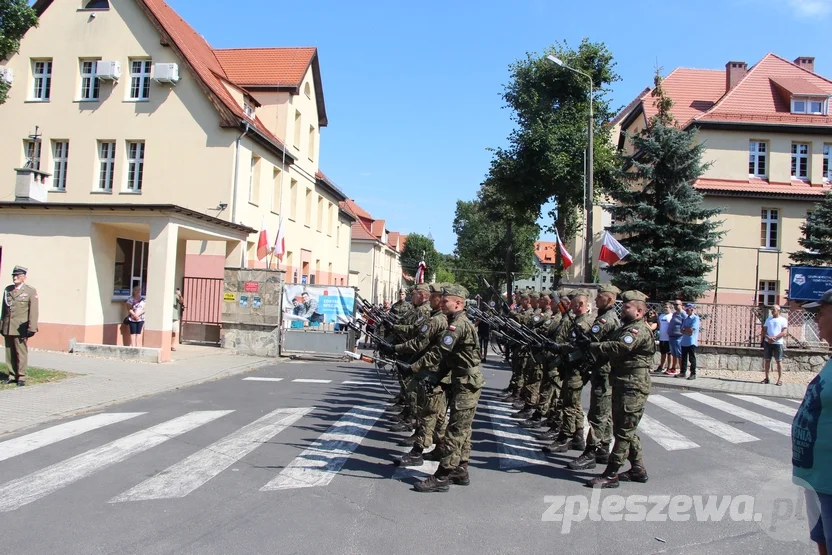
(412, 89)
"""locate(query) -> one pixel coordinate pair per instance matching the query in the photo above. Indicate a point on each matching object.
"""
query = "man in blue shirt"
(690, 341)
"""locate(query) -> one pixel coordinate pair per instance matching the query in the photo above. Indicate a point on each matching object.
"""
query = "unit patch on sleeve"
(628, 339)
(596, 328)
(424, 328)
(448, 340)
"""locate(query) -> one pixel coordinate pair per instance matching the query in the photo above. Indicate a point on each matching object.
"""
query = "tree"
(817, 235)
(16, 17)
(659, 213)
(419, 248)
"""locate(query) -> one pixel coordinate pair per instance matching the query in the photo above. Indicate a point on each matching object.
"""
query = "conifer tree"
(659, 214)
(817, 235)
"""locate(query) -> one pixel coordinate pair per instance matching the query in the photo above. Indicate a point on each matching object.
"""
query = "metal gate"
(202, 317)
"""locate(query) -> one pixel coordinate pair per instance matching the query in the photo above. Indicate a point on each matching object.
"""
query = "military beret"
(609, 288)
(421, 287)
(524, 295)
(562, 294)
(545, 293)
(581, 293)
(633, 296)
(454, 290)
(19, 270)
(534, 295)
(436, 287)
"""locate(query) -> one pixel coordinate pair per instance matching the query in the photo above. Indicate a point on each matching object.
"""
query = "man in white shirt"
(664, 338)
(774, 332)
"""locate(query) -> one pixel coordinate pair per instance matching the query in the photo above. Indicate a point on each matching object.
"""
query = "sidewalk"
(106, 381)
(728, 385)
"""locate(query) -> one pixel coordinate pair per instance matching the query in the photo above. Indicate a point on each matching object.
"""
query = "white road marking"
(36, 440)
(358, 382)
(309, 380)
(27, 489)
(726, 432)
(258, 379)
(318, 464)
(791, 411)
(774, 425)
(518, 448)
(798, 401)
(664, 436)
(189, 474)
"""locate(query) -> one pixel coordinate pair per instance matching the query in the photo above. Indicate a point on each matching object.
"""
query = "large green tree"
(419, 248)
(16, 17)
(659, 214)
(817, 236)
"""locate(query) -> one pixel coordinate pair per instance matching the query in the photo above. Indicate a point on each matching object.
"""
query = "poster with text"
(323, 304)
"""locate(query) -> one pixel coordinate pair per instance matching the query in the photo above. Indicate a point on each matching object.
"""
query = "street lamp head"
(555, 60)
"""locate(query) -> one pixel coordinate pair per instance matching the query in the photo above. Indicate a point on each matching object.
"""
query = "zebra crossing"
(670, 420)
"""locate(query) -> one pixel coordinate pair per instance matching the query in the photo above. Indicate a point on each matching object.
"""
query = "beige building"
(768, 137)
(375, 256)
(132, 112)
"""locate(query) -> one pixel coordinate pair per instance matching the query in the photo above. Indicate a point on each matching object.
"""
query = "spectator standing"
(18, 322)
(484, 333)
(178, 307)
(674, 335)
(135, 316)
(812, 440)
(690, 341)
(664, 339)
(774, 333)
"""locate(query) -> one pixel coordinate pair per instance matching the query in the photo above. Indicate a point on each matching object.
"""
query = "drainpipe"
(234, 190)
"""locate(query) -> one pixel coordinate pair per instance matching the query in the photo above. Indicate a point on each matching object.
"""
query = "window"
(60, 156)
(131, 267)
(308, 221)
(767, 293)
(338, 237)
(32, 150)
(254, 181)
(248, 108)
(757, 158)
(139, 79)
(800, 160)
(276, 189)
(288, 259)
(330, 217)
(106, 165)
(42, 73)
(808, 105)
(311, 145)
(297, 129)
(135, 166)
(769, 223)
(97, 5)
(90, 84)
(307, 90)
(827, 167)
(293, 200)
(320, 226)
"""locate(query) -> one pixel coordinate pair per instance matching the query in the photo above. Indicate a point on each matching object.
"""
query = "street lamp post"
(590, 174)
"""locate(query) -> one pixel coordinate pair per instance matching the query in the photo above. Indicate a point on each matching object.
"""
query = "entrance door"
(202, 317)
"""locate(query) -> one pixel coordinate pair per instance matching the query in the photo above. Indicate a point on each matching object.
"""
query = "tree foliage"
(817, 236)
(659, 213)
(16, 17)
(419, 248)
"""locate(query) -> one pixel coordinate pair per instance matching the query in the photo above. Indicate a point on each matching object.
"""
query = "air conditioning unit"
(108, 70)
(7, 75)
(166, 73)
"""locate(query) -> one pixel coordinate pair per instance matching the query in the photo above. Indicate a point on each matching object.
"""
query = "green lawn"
(34, 376)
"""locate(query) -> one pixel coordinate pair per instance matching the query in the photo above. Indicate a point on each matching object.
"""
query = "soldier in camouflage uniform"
(456, 353)
(600, 411)
(517, 352)
(401, 307)
(630, 351)
(534, 370)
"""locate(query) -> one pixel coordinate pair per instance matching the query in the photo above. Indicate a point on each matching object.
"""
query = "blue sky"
(413, 88)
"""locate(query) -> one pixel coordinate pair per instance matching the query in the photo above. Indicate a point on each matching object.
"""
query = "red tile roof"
(693, 91)
(371, 229)
(545, 251)
(281, 67)
(377, 228)
(360, 232)
(797, 188)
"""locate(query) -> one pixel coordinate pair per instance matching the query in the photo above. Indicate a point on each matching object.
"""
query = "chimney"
(734, 72)
(806, 62)
(30, 185)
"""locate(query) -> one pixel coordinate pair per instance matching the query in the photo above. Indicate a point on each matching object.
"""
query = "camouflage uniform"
(533, 373)
(550, 387)
(519, 353)
(408, 328)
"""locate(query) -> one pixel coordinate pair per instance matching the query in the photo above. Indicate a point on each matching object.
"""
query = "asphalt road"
(242, 466)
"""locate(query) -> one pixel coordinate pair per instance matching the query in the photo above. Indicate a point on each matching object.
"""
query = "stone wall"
(750, 358)
(251, 311)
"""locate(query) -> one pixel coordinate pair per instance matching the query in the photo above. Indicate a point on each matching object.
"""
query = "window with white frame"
(42, 83)
(90, 84)
(769, 227)
(808, 105)
(140, 79)
(32, 150)
(827, 167)
(767, 292)
(248, 108)
(60, 158)
(130, 267)
(800, 160)
(757, 157)
(106, 165)
(254, 180)
(135, 166)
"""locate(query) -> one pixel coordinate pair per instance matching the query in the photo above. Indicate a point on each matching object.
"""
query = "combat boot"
(403, 426)
(434, 455)
(637, 473)
(519, 404)
(535, 422)
(609, 479)
(459, 475)
(413, 458)
(401, 417)
(407, 442)
(579, 440)
(586, 461)
(602, 454)
(510, 397)
(439, 482)
(560, 445)
(523, 414)
(548, 435)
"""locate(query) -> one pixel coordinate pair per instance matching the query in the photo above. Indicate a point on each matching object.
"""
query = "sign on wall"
(324, 304)
(809, 283)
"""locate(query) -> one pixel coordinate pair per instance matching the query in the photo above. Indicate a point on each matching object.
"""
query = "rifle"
(506, 308)
(581, 355)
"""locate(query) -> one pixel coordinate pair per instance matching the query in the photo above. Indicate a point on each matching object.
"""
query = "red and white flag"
(567, 258)
(420, 272)
(263, 241)
(611, 250)
(280, 242)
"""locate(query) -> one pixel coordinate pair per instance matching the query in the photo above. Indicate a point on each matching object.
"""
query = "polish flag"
(280, 242)
(263, 241)
(567, 258)
(611, 250)
(420, 272)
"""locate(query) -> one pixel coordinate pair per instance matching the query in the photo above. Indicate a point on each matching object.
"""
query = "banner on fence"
(318, 304)
(809, 283)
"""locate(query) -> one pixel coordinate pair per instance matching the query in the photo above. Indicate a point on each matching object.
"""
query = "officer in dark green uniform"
(18, 322)
(629, 350)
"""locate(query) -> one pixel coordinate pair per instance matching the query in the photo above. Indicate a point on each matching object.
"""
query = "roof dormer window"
(248, 108)
(809, 105)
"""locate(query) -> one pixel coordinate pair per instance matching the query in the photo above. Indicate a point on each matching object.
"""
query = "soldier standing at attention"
(18, 322)
(629, 350)
(457, 353)
(401, 307)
